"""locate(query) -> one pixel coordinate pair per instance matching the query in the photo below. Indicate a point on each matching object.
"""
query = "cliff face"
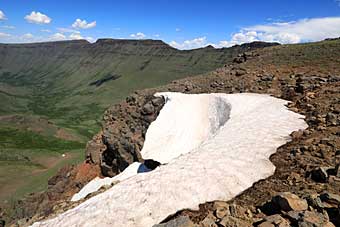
(122, 137)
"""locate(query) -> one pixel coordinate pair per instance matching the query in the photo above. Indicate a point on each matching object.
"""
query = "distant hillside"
(72, 82)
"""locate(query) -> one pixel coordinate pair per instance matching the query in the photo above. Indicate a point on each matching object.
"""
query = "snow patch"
(184, 123)
(215, 147)
(95, 184)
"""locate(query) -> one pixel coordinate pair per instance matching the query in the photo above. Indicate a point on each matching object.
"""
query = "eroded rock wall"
(121, 139)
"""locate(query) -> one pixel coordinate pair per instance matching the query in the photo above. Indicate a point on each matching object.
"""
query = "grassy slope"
(28, 159)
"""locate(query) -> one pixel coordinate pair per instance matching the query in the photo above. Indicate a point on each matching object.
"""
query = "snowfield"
(213, 147)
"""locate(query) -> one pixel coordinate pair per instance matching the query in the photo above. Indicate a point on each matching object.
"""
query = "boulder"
(148, 109)
(320, 174)
(332, 119)
(267, 77)
(158, 101)
(287, 201)
(94, 151)
(208, 221)
(229, 221)
(221, 209)
(313, 219)
(275, 221)
(181, 221)
(308, 219)
(330, 199)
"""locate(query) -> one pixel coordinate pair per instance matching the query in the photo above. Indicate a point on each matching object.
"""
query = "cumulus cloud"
(67, 30)
(2, 15)
(38, 18)
(138, 35)
(304, 30)
(314, 29)
(190, 44)
(76, 36)
(4, 35)
(28, 36)
(82, 24)
(57, 37)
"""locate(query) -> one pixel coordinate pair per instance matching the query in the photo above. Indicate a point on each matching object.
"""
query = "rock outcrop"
(121, 140)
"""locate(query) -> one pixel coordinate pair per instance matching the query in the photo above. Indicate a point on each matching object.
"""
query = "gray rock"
(148, 109)
(267, 77)
(208, 221)
(275, 220)
(229, 221)
(313, 219)
(332, 119)
(320, 174)
(94, 151)
(315, 201)
(157, 101)
(182, 221)
(332, 200)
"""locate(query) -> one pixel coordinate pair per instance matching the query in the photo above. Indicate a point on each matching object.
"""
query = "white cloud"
(190, 44)
(304, 30)
(90, 39)
(67, 30)
(178, 29)
(57, 37)
(314, 29)
(76, 36)
(46, 30)
(38, 18)
(8, 27)
(2, 15)
(157, 35)
(82, 24)
(28, 36)
(138, 35)
(4, 35)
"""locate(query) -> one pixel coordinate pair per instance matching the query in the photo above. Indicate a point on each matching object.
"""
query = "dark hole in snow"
(151, 164)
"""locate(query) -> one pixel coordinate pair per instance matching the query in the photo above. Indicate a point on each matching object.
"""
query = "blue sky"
(182, 24)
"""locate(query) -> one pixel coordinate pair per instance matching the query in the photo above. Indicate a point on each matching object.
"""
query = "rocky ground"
(305, 189)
